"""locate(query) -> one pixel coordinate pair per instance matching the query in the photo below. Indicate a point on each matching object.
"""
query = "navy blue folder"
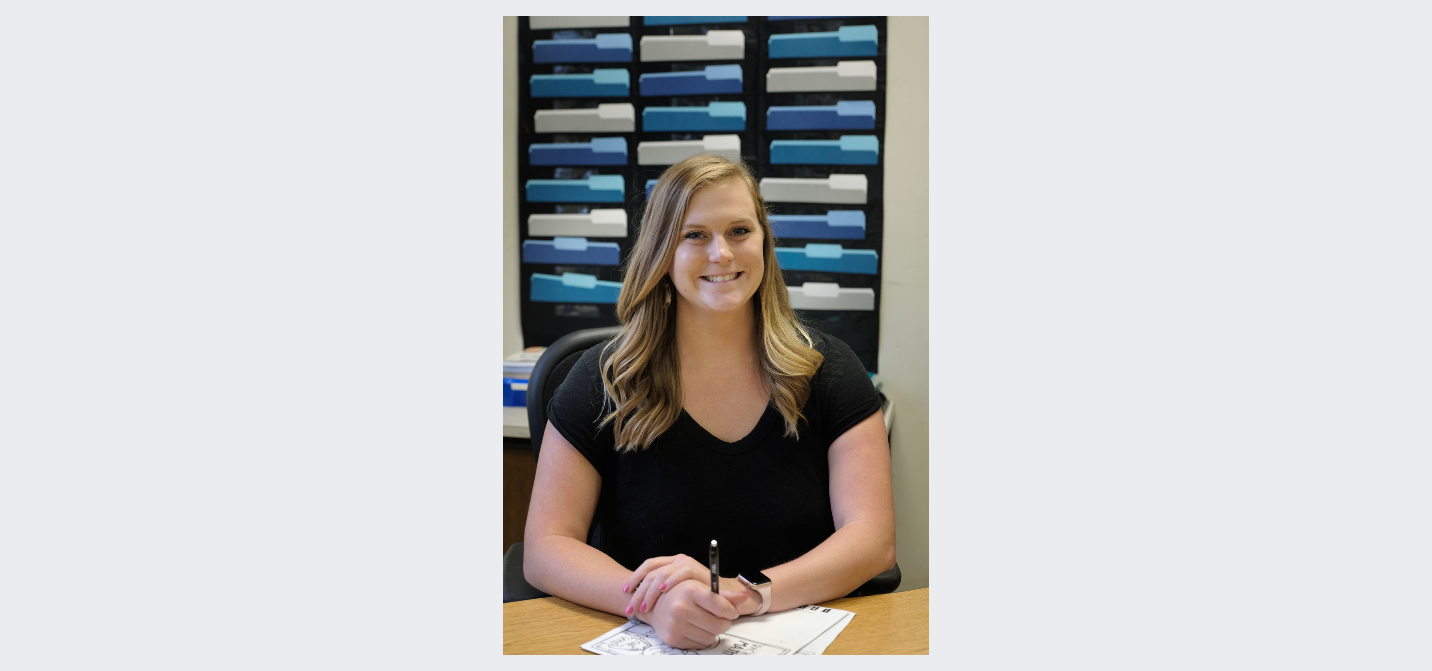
(573, 251)
(600, 151)
(833, 225)
(713, 80)
(604, 48)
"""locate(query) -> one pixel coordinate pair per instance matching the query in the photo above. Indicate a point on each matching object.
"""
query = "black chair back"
(549, 372)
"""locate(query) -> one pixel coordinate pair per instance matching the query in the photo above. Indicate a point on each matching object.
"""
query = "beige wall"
(904, 314)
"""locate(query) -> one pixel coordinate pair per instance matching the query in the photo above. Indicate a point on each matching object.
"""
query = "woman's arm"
(556, 558)
(862, 502)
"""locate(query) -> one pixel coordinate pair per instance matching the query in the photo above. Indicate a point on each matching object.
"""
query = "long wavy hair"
(640, 369)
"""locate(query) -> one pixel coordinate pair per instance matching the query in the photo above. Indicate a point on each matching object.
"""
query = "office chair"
(553, 366)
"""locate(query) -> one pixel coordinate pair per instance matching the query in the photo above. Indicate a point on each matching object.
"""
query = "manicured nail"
(643, 606)
(663, 587)
(625, 588)
(628, 610)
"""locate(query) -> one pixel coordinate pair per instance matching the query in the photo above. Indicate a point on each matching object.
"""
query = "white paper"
(805, 630)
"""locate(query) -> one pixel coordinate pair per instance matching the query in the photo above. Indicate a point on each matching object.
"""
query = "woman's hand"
(658, 575)
(690, 616)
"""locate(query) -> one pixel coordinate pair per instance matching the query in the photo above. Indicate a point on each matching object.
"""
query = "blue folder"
(649, 184)
(828, 258)
(573, 288)
(571, 251)
(688, 20)
(847, 41)
(848, 150)
(604, 48)
(599, 83)
(713, 80)
(844, 115)
(833, 225)
(594, 189)
(600, 151)
(714, 116)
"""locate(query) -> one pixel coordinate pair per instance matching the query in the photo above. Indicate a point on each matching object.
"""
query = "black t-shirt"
(765, 498)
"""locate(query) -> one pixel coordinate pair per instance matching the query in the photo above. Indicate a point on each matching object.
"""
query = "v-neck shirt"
(765, 497)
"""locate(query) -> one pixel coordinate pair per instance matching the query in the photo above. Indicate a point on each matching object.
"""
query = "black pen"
(715, 568)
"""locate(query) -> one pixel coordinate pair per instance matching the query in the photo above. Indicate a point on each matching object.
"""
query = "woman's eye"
(740, 230)
(694, 235)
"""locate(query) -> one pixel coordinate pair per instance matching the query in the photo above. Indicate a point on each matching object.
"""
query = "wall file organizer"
(790, 18)
(599, 83)
(847, 41)
(673, 152)
(598, 223)
(688, 20)
(604, 118)
(591, 146)
(714, 79)
(557, 22)
(830, 296)
(843, 115)
(843, 76)
(828, 258)
(606, 48)
(715, 45)
(573, 288)
(594, 189)
(848, 150)
(573, 251)
(713, 116)
(833, 225)
(600, 151)
(837, 189)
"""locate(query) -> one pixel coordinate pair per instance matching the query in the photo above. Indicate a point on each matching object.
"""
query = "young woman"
(713, 415)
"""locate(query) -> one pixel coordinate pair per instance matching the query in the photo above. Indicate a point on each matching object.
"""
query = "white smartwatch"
(760, 584)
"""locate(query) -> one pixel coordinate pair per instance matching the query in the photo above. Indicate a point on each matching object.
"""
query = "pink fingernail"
(628, 610)
(663, 587)
(626, 587)
(643, 606)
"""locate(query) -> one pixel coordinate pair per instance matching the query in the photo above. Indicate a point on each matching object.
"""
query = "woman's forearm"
(566, 567)
(852, 555)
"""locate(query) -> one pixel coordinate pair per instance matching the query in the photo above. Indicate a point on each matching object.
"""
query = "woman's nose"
(720, 251)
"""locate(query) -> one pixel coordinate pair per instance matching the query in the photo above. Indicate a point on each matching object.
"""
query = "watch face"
(756, 578)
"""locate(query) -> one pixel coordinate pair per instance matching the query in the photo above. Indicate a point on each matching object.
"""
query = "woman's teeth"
(720, 278)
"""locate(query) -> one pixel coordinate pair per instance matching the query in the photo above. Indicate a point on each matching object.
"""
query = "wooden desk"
(885, 624)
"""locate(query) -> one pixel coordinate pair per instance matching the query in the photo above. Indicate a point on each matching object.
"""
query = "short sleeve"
(576, 410)
(847, 397)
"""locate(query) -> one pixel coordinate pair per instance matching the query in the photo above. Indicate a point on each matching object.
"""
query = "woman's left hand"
(658, 575)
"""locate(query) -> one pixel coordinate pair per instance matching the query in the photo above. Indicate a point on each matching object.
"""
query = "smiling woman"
(713, 415)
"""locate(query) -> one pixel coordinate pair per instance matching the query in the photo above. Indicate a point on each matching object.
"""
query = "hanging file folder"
(843, 76)
(594, 189)
(828, 258)
(558, 22)
(837, 189)
(847, 41)
(649, 184)
(600, 223)
(715, 45)
(599, 83)
(689, 20)
(713, 116)
(848, 150)
(844, 115)
(605, 48)
(600, 151)
(573, 251)
(711, 81)
(670, 153)
(833, 225)
(604, 118)
(573, 288)
(830, 296)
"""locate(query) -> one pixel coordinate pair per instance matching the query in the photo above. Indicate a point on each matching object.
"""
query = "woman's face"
(718, 263)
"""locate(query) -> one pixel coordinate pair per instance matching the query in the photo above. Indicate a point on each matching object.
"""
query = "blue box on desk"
(514, 392)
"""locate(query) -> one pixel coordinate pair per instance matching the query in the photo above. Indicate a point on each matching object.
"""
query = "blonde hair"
(640, 371)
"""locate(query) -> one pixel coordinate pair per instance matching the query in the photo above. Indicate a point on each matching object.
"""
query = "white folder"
(715, 45)
(838, 189)
(554, 22)
(605, 118)
(671, 153)
(830, 296)
(603, 223)
(843, 76)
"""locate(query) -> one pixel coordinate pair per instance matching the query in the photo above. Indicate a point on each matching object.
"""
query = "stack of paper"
(516, 369)
(807, 630)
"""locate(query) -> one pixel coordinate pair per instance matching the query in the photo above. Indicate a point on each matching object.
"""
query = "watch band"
(764, 590)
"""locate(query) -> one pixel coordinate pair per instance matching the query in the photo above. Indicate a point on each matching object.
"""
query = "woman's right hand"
(690, 616)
